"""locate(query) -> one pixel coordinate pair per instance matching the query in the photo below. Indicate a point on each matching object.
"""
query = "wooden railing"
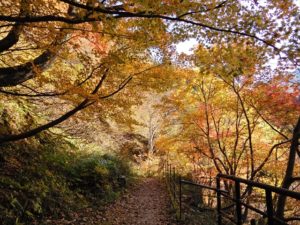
(175, 185)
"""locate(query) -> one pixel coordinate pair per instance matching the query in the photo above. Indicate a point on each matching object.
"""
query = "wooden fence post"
(238, 204)
(219, 207)
(269, 207)
(180, 198)
(174, 184)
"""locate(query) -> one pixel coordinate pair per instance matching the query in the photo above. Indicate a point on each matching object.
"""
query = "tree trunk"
(288, 179)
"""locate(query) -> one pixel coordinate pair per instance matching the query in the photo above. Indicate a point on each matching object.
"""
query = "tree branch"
(12, 76)
(203, 10)
(267, 122)
(48, 94)
(13, 35)
(120, 13)
(268, 156)
(85, 103)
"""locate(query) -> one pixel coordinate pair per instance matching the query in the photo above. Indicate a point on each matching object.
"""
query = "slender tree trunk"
(288, 179)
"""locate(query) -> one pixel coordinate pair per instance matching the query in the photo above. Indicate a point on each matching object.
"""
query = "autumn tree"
(278, 94)
(64, 47)
(235, 118)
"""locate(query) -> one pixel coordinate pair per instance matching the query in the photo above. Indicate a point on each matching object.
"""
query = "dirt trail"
(146, 204)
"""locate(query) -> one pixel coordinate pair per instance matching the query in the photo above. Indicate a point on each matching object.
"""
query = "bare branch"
(203, 10)
(268, 157)
(267, 122)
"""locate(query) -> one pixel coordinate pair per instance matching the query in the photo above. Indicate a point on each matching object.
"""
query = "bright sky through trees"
(187, 46)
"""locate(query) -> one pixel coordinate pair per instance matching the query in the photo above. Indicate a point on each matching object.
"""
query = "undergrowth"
(49, 177)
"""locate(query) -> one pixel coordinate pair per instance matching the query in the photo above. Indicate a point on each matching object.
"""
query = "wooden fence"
(176, 184)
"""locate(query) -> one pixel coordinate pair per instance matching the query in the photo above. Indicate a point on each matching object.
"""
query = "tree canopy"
(94, 49)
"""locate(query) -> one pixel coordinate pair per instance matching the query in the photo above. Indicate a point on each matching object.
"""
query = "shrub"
(53, 178)
(98, 174)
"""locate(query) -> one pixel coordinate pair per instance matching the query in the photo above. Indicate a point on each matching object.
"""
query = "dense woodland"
(92, 91)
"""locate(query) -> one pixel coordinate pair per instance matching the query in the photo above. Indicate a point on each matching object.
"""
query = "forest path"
(146, 204)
